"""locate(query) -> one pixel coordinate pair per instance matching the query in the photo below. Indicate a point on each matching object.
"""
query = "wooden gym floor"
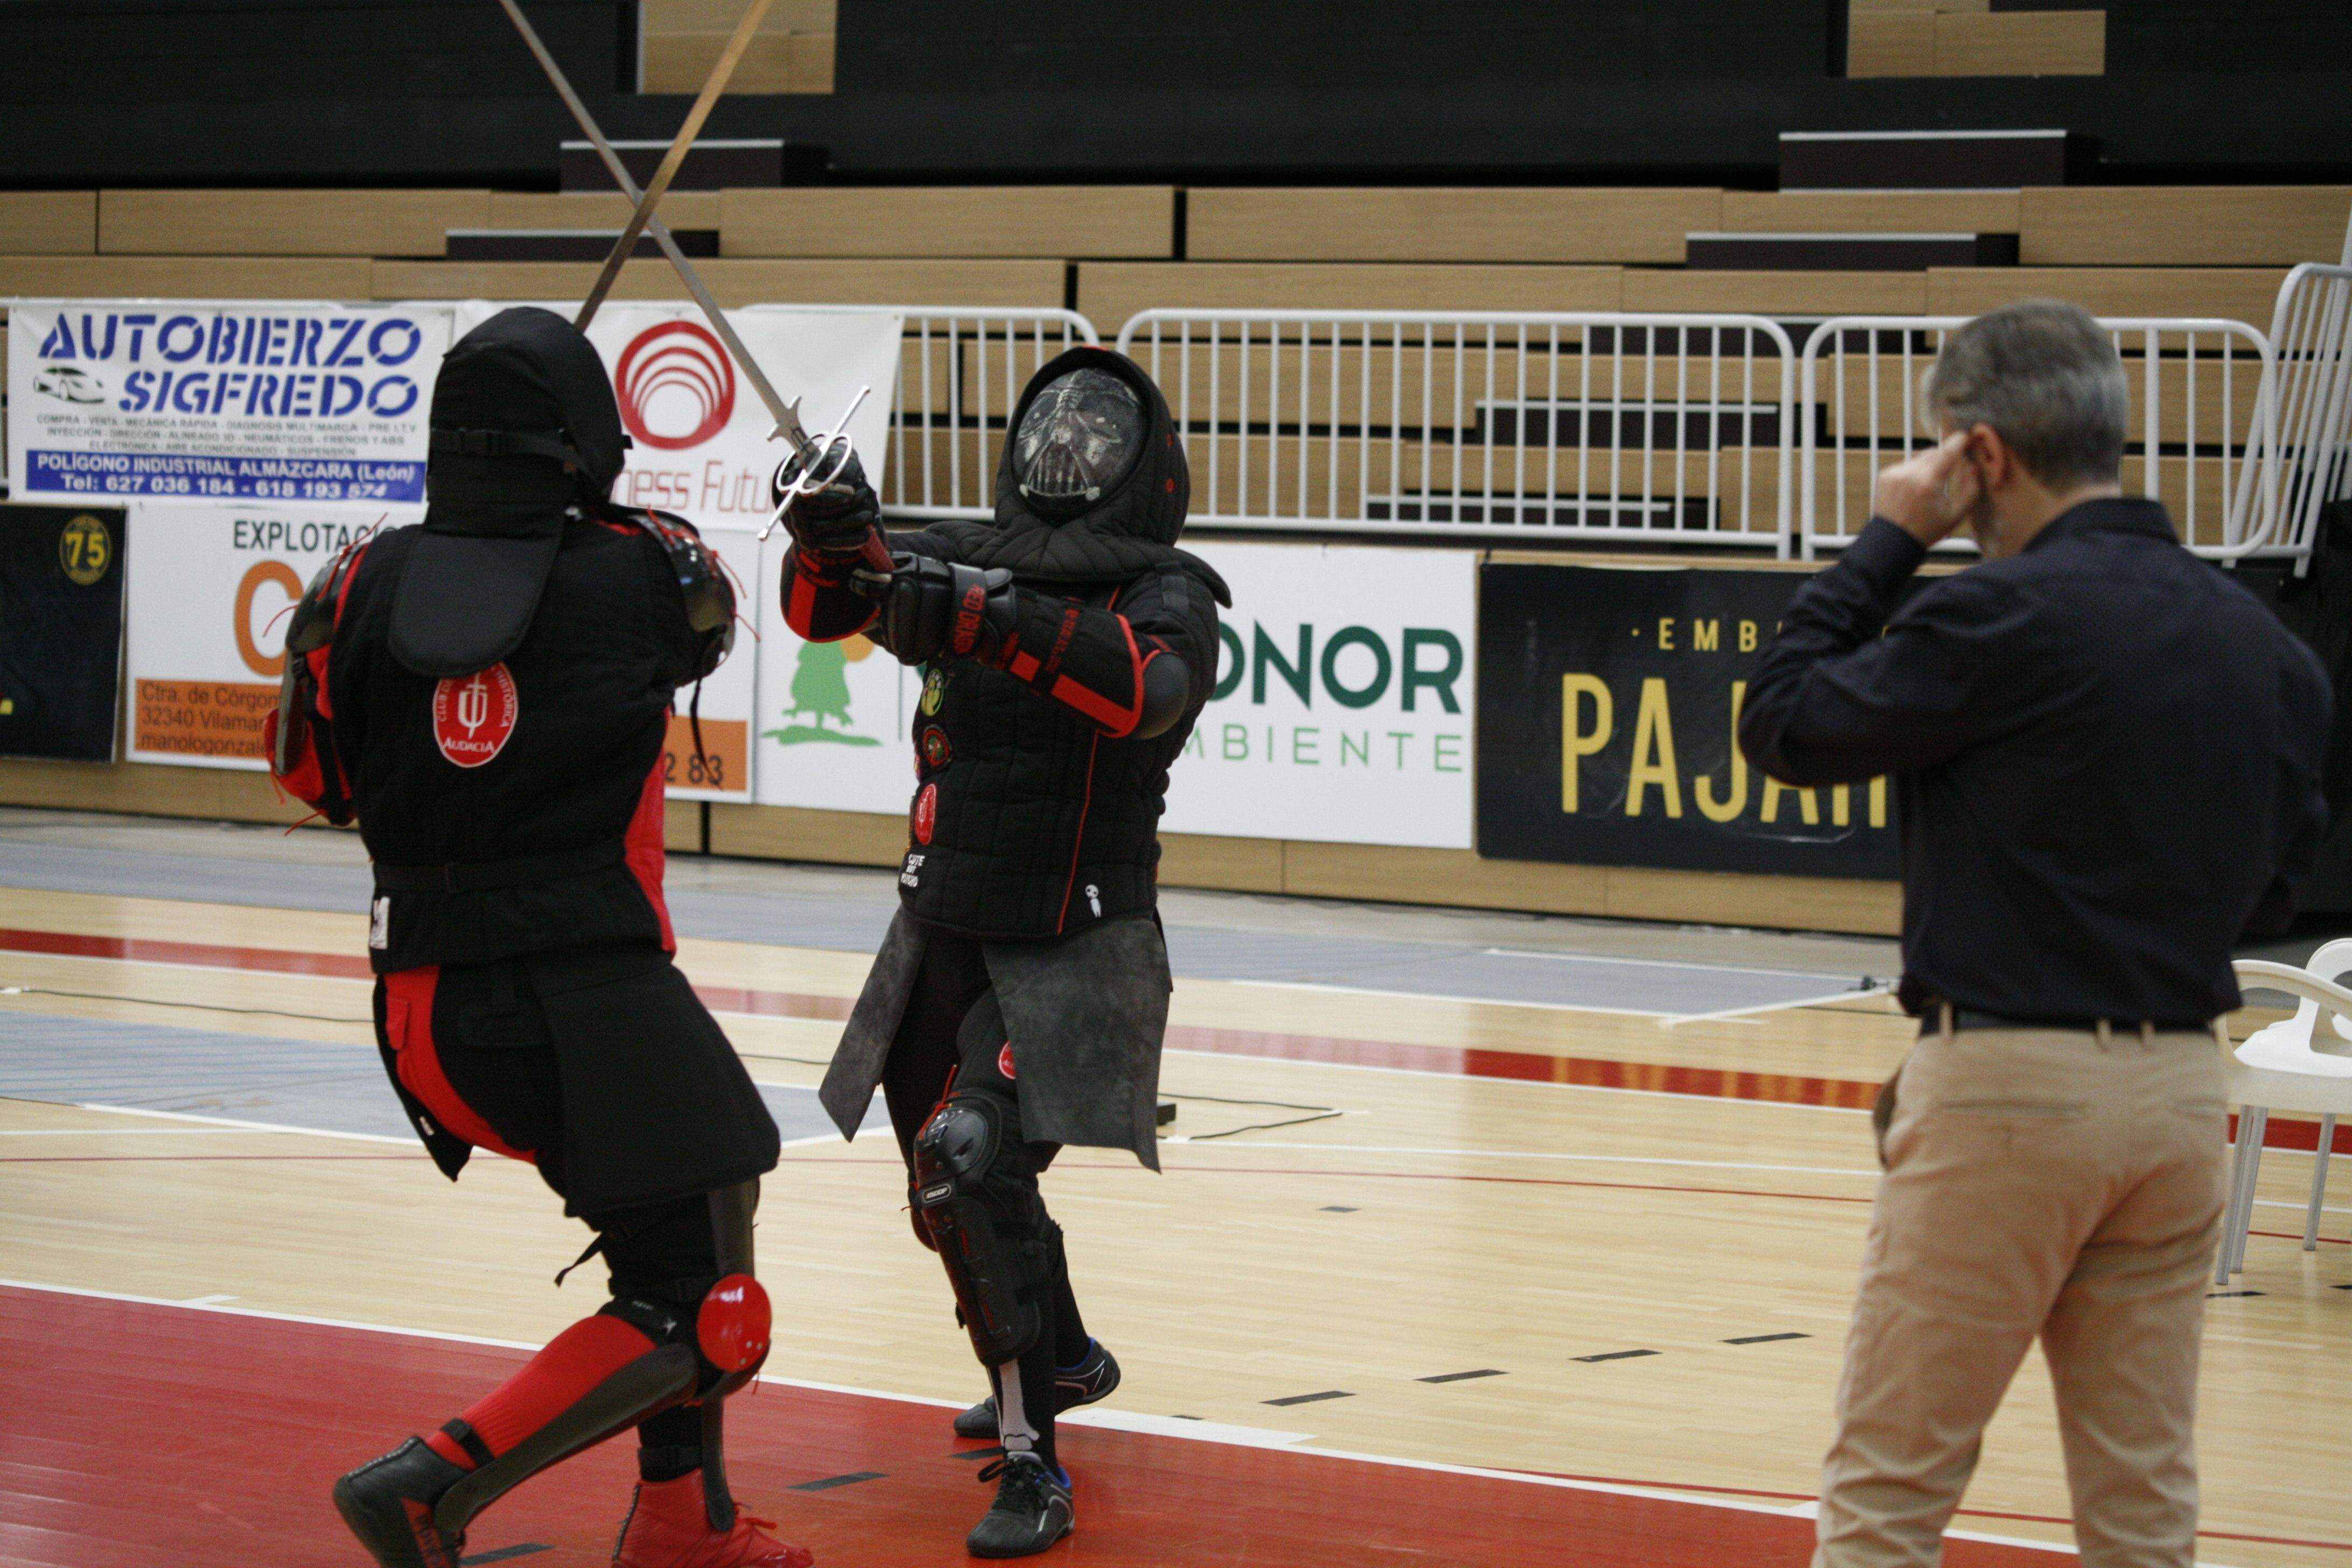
(1548, 1264)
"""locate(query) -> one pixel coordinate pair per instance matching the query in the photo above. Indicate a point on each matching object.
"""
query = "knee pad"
(976, 1198)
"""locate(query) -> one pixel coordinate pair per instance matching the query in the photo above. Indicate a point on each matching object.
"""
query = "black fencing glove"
(838, 522)
(934, 609)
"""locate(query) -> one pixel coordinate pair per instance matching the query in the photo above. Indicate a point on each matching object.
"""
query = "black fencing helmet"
(524, 426)
(1080, 438)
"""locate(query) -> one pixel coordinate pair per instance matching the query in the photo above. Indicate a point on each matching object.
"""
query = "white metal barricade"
(2202, 439)
(960, 371)
(2310, 460)
(1488, 425)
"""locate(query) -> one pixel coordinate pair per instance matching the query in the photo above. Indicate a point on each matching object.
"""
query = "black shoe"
(388, 1503)
(1032, 1508)
(1092, 1379)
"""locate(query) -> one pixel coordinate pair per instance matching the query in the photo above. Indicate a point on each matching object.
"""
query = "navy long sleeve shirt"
(2107, 753)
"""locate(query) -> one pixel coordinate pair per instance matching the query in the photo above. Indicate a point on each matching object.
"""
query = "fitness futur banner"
(116, 399)
(1608, 700)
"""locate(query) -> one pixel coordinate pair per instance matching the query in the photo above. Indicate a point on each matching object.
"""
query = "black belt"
(482, 876)
(1931, 1022)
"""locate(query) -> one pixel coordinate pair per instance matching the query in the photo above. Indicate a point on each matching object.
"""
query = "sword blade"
(786, 415)
(716, 84)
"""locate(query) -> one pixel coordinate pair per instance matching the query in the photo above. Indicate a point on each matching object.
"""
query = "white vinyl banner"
(253, 402)
(210, 591)
(835, 719)
(722, 768)
(1343, 709)
(699, 431)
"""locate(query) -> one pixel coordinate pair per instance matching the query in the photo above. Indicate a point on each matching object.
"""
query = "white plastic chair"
(2291, 1065)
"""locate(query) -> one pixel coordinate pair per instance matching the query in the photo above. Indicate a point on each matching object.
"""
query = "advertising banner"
(835, 720)
(1608, 703)
(722, 768)
(267, 401)
(61, 573)
(1341, 712)
(1343, 706)
(208, 608)
(210, 592)
(699, 431)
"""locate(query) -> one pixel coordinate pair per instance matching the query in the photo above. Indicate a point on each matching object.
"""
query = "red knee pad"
(732, 1325)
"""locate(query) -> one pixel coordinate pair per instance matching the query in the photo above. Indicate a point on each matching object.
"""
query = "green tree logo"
(821, 691)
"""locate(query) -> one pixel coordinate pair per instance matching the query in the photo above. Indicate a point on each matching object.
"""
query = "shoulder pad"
(313, 624)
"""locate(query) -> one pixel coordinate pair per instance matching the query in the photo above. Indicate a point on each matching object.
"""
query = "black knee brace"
(976, 1196)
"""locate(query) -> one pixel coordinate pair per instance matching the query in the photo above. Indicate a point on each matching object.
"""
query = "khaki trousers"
(2060, 1183)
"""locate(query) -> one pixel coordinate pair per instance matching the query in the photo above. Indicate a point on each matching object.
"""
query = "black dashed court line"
(2340, 1287)
(2216, 1295)
(829, 1482)
(1459, 1376)
(1613, 1355)
(977, 1453)
(1312, 1398)
(1338, 1208)
(504, 1552)
(1764, 1339)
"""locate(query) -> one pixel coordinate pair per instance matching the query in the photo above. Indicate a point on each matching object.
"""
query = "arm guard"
(819, 603)
(299, 733)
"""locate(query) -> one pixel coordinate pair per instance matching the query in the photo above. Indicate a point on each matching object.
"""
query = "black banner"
(60, 631)
(1607, 701)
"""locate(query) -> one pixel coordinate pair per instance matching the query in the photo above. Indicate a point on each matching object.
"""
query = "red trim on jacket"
(408, 1025)
(1117, 721)
(644, 854)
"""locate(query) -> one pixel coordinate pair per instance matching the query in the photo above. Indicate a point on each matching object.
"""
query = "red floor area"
(138, 1436)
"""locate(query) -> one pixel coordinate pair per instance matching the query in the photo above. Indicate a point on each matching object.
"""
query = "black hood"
(524, 426)
(1131, 529)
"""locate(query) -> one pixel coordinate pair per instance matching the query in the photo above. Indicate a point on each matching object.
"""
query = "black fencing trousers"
(953, 1035)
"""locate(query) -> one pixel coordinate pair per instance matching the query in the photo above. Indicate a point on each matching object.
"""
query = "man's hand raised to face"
(1931, 494)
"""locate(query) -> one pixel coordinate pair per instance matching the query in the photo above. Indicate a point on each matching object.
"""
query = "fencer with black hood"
(1018, 1001)
(487, 693)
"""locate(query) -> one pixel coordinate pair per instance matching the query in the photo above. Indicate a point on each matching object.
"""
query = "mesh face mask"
(1078, 440)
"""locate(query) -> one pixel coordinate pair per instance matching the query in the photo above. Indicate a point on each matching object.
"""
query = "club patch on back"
(474, 715)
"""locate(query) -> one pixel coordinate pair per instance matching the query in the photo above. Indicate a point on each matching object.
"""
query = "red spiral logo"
(683, 366)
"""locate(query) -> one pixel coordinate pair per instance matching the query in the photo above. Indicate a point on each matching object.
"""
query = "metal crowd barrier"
(1482, 425)
(2204, 426)
(2310, 454)
(959, 374)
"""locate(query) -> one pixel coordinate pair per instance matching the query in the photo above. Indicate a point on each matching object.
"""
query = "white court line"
(1658, 964)
(1850, 992)
(1541, 1154)
(236, 1122)
(1184, 1431)
(1436, 996)
(114, 1131)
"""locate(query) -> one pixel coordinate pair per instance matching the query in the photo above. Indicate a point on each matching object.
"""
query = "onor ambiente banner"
(116, 399)
(1609, 705)
(1343, 707)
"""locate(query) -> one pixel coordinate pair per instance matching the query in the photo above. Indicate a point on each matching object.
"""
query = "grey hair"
(2046, 377)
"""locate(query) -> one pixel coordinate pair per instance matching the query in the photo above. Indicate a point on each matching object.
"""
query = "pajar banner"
(269, 401)
(60, 631)
(1608, 701)
(1342, 710)
(699, 433)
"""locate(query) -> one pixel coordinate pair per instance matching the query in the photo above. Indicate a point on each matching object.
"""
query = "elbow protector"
(1166, 693)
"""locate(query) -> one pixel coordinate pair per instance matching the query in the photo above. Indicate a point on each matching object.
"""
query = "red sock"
(557, 1378)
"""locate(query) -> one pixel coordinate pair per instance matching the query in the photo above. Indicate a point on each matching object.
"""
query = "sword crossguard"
(821, 456)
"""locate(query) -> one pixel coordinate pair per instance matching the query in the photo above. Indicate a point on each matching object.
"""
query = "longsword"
(814, 468)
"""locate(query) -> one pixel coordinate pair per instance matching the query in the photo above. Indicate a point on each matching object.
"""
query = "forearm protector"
(1128, 685)
(819, 603)
(299, 734)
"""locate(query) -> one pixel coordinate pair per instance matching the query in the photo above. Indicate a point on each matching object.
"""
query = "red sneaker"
(667, 1528)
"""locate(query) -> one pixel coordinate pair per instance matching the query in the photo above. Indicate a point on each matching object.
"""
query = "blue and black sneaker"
(1032, 1508)
(1092, 1379)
